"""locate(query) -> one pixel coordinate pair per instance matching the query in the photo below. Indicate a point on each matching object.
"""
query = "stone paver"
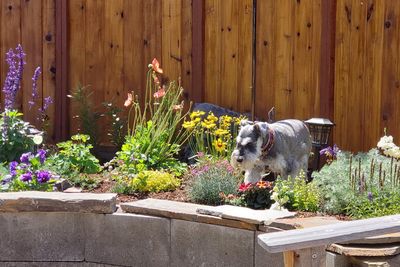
(199, 244)
(57, 202)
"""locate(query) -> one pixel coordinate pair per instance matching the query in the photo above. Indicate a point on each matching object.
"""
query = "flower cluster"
(330, 153)
(12, 83)
(29, 174)
(253, 195)
(213, 135)
(388, 148)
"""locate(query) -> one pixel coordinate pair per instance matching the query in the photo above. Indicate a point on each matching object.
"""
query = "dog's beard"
(249, 160)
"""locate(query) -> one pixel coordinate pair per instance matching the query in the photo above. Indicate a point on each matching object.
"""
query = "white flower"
(386, 142)
(393, 152)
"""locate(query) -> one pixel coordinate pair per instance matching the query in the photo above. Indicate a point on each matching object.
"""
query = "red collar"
(266, 147)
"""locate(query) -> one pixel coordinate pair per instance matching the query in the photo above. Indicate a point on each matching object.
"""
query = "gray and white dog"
(282, 147)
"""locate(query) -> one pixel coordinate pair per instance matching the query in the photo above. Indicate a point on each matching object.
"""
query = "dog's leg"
(253, 175)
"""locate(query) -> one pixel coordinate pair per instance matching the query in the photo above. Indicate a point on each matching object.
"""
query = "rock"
(73, 190)
(57, 202)
(62, 184)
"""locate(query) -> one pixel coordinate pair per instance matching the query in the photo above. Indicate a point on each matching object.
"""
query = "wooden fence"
(337, 59)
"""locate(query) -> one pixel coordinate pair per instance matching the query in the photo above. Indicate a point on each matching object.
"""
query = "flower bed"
(164, 151)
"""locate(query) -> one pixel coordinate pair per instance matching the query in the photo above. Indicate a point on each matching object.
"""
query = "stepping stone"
(57, 202)
(377, 250)
(246, 214)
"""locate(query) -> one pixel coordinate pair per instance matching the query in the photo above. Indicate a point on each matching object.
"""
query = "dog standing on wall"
(282, 147)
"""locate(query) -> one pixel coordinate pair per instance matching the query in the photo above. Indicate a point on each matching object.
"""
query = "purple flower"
(370, 197)
(25, 157)
(26, 177)
(13, 168)
(34, 87)
(329, 151)
(43, 176)
(42, 155)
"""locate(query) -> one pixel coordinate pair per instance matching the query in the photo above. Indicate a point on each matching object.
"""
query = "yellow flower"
(219, 145)
(211, 117)
(221, 132)
(196, 114)
(239, 119)
(189, 125)
(226, 119)
(208, 124)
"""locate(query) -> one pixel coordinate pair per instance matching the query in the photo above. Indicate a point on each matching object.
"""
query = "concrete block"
(199, 244)
(54, 264)
(262, 258)
(38, 236)
(334, 260)
(127, 239)
(57, 202)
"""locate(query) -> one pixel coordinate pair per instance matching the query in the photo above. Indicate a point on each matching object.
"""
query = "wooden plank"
(373, 73)
(212, 50)
(171, 38)
(49, 60)
(229, 53)
(328, 234)
(266, 59)
(284, 53)
(10, 36)
(244, 56)
(134, 64)
(314, 105)
(152, 31)
(186, 50)
(77, 56)
(342, 71)
(198, 54)
(31, 38)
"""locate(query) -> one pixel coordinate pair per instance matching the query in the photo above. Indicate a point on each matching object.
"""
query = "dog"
(282, 147)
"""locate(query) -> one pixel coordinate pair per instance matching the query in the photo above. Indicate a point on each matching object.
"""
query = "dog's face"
(248, 145)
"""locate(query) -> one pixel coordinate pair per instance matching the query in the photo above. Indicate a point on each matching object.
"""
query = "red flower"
(160, 93)
(156, 66)
(244, 187)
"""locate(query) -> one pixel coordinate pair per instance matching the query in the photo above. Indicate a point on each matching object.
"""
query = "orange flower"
(129, 100)
(156, 66)
(160, 93)
(262, 184)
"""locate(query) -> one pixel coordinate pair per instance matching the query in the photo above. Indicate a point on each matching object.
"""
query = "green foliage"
(144, 152)
(87, 116)
(74, 157)
(351, 176)
(211, 180)
(153, 138)
(256, 196)
(374, 204)
(148, 181)
(16, 136)
(85, 181)
(297, 194)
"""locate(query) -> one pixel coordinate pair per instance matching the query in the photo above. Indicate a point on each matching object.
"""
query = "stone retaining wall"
(62, 238)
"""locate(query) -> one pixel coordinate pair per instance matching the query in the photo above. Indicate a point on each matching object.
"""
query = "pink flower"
(160, 93)
(244, 187)
(129, 100)
(156, 66)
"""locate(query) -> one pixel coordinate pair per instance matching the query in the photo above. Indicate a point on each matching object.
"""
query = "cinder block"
(127, 239)
(54, 264)
(199, 244)
(263, 258)
(39, 236)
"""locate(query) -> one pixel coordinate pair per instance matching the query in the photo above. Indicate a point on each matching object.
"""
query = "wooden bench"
(306, 247)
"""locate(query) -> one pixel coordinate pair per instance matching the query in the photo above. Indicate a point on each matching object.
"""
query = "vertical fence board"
(315, 43)
(77, 55)
(31, 38)
(49, 64)
(186, 47)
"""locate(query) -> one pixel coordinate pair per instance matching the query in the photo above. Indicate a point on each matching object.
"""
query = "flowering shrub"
(351, 178)
(255, 196)
(18, 136)
(74, 157)
(212, 135)
(388, 148)
(330, 153)
(209, 178)
(29, 174)
(147, 181)
(153, 137)
(296, 194)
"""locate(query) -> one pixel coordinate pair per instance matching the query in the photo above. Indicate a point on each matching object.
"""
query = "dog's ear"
(257, 129)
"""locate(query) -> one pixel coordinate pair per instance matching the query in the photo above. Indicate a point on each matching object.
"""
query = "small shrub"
(85, 181)
(297, 194)
(255, 196)
(209, 178)
(146, 182)
(29, 174)
(74, 157)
